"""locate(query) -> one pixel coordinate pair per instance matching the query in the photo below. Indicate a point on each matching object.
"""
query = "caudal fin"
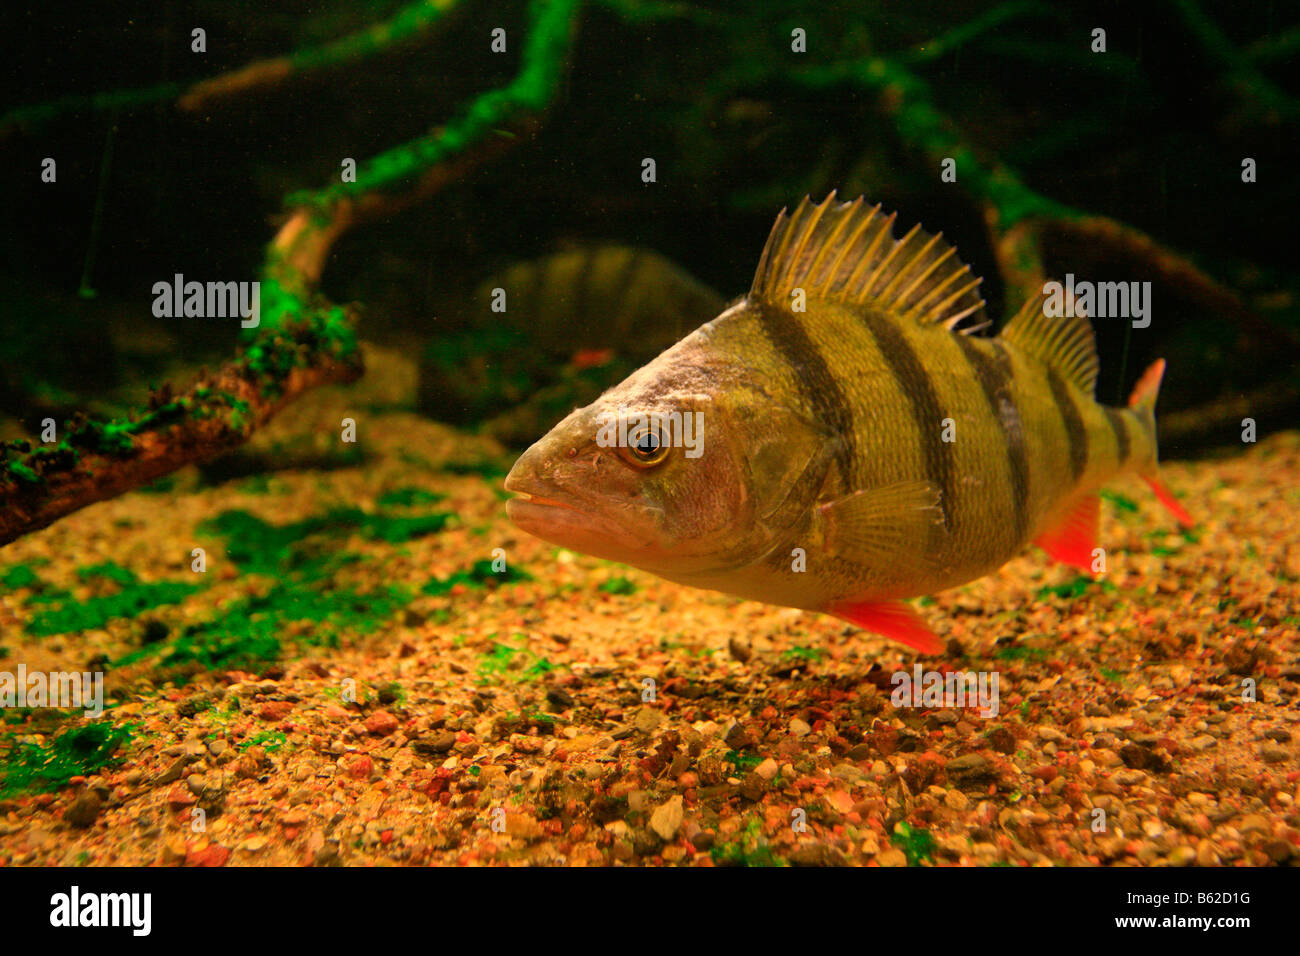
(1143, 404)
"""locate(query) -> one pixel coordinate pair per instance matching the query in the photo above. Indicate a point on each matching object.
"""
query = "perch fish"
(855, 445)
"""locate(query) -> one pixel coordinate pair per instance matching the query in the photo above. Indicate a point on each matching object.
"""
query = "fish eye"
(647, 448)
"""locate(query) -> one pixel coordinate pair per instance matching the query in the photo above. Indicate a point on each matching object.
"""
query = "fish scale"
(863, 447)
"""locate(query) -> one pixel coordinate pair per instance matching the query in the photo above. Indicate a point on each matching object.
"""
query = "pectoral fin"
(886, 527)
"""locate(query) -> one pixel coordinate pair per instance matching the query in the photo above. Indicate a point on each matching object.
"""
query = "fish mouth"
(552, 514)
(531, 495)
(537, 507)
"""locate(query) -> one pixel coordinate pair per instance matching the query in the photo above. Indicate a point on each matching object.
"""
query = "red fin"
(1073, 536)
(893, 619)
(1169, 501)
(1144, 392)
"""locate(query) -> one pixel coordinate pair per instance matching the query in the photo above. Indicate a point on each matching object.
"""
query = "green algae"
(131, 599)
(268, 740)
(1072, 590)
(517, 663)
(484, 468)
(742, 763)
(260, 547)
(40, 768)
(407, 497)
(619, 585)
(917, 843)
(19, 576)
(109, 571)
(247, 633)
(1121, 502)
(478, 575)
(750, 848)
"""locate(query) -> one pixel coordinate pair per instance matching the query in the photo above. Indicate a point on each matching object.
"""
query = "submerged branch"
(303, 341)
(411, 21)
(1017, 216)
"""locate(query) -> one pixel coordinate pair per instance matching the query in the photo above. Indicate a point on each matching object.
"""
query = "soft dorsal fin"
(1065, 343)
(846, 252)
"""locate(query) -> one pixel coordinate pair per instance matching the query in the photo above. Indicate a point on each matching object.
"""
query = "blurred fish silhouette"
(574, 322)
(859, 447)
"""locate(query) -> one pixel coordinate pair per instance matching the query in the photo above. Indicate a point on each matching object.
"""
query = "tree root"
(303, 341)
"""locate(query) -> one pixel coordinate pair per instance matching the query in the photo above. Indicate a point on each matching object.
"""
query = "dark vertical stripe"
(994, 376)
(1076, 434)
(619, 289)
(927, 413)
(1120, 429)
(582, 290)
(829, 404)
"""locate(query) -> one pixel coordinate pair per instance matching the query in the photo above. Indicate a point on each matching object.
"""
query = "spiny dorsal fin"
(846, 252)
(1065, 343)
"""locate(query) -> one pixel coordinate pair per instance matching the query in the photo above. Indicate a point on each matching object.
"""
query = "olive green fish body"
(861, 447)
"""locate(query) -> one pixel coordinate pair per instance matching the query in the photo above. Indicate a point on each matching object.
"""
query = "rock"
(891, 857)
(667, 819)
(192, 706)
(1272, 753)
(648, 718)
(434, 744)
(361, 767)
(328, 854)
(861, 752)
(174, 850)
(1254, 822)
(956, 800)
(816, 854)
(736, 738)
(84, 810)
(180, 797)
(969, 769)
(752, 787)
(1279, 851)
(767, 769)
(559, 697)
(211, 855)
(1002, 740)
(1142, 757)
(1182, 856)
(173, 772)
(275, 710)
(739, 651)
(799, 727)
(381, 723)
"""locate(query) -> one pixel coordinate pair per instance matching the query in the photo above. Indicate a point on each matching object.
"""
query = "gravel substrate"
(594, 714)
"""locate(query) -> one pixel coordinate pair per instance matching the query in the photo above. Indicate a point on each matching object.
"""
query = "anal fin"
(1072, 537)
(893, 619)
